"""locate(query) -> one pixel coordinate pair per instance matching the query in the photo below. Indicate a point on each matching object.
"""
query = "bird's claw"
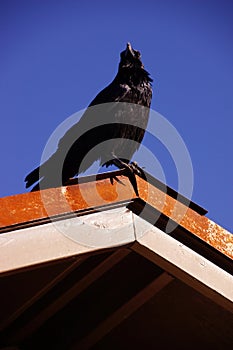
(137, 170)
(130, 170)
(130, 173)
(116, 179)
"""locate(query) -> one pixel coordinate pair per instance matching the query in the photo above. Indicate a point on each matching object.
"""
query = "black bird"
(110, 130)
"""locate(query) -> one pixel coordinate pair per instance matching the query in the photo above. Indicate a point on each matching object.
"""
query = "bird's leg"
(133, 166)
(137, 170)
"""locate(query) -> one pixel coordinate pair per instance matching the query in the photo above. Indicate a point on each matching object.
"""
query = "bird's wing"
(114, 92)
(95, 116)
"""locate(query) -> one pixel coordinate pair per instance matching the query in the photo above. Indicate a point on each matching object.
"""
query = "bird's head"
(130, 58)
(131, 61)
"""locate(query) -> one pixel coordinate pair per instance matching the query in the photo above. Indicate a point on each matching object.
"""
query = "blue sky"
(57, 55)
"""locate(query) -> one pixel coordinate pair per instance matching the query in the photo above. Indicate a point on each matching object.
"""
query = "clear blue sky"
(56, 55)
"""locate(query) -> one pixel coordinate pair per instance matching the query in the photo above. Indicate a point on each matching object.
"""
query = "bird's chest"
(131, 109)
(139, 94)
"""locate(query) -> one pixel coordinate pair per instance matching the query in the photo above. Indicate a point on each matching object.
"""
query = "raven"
(116, 119)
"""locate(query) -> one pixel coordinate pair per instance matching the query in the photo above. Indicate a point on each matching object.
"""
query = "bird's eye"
(137, 54)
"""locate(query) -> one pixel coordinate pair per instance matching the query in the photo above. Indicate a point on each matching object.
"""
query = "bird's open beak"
(129, 50)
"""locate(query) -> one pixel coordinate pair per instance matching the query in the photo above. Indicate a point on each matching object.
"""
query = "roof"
(67, 244)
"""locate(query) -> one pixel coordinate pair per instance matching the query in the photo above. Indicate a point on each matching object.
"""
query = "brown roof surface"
(38, 207)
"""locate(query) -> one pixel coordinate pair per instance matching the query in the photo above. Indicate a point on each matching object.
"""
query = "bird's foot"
(137, 170)
(130, 170)
(116, 179)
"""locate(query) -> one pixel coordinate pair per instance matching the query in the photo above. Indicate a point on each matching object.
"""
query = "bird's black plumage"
(115, 122)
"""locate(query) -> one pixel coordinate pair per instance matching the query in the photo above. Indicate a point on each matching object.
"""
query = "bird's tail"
(33, 177)
(46, 175)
